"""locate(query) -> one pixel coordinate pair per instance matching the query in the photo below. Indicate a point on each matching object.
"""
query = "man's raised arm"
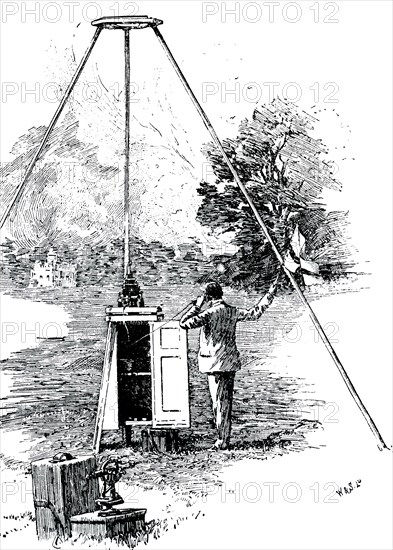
(193, 318)
(259, 308)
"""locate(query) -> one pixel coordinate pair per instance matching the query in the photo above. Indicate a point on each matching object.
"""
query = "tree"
(285, 170)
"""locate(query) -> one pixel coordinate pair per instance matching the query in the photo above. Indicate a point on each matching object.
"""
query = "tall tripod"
(127, 24)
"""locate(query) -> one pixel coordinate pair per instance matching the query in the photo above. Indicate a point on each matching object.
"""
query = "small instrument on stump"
(114, 517)
(110, 474)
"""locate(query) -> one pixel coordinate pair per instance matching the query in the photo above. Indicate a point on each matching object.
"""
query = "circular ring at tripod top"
(127, 22)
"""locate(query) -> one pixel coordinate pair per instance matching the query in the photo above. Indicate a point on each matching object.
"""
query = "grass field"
(52, 391)
(54, 386)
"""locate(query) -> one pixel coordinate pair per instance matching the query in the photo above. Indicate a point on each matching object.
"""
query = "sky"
(316, 53)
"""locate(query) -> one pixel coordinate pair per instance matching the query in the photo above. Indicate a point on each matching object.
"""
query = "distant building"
(51, 273)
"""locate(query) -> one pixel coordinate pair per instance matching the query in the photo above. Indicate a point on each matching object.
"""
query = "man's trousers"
(221, 391)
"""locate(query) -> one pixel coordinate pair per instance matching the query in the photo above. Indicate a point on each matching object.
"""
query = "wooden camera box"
(60, 491)
(148, 379)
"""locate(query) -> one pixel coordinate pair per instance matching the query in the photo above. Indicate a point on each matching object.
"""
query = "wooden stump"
(155, 440)
(61, 490)
(127, 435)
(124, 524)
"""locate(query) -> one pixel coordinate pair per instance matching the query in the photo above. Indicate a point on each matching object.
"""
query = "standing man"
(218, 355)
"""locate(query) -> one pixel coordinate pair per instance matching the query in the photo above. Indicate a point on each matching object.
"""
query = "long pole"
(49, 129)
(127, 76)
(318, 326)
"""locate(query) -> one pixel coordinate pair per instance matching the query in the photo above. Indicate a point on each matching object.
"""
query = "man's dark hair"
(213, 290)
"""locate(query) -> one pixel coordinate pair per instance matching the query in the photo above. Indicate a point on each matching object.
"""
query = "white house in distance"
(51, 274)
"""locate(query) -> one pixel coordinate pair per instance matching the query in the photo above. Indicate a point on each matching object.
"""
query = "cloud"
(76, 191)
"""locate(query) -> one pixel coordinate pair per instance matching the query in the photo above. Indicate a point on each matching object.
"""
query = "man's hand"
(200, 301)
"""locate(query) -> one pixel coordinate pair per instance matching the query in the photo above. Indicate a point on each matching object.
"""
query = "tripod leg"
(49, 129)
(381, 443)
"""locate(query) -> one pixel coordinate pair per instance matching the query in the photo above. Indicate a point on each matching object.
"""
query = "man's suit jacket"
(217, 347)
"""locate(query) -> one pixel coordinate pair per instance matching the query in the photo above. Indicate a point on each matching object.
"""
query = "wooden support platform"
(127, 22)
(133, 314)
(127, 523)
(160, 440)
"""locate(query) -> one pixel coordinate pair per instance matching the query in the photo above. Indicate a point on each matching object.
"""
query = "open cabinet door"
(171, 407)
(111, 413)
(107, 375)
